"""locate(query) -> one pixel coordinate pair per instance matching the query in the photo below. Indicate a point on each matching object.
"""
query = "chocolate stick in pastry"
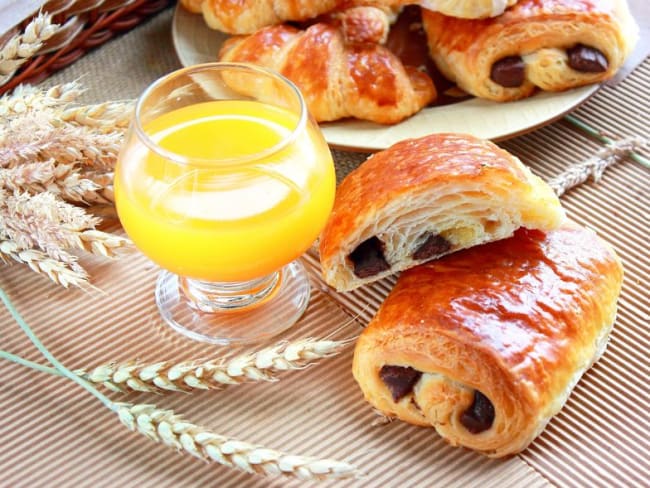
(423, 198)
(364, 80)
(552, 44)
(485, 345)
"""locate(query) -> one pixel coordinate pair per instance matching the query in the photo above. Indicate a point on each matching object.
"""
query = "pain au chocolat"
(551, 44)
(485, 345)
(423, 198)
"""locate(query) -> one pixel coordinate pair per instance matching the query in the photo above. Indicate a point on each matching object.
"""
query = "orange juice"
(233, 210)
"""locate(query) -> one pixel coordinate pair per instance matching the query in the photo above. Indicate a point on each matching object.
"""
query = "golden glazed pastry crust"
(540, 32)
(338, 80)
(464, 190)
(466, 9)
(519, 320)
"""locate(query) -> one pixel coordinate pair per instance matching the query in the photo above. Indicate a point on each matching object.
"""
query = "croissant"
(485, 345)
(467, 9)
(423, 198)
(554, 45)
(247, 16)
(363, 80)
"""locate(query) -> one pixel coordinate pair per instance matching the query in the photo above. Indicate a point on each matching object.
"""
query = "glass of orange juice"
(224, 180)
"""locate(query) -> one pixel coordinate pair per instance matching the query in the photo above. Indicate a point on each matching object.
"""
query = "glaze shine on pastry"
(338, 79)
(490, 341)
(423, 198)
(553, 45)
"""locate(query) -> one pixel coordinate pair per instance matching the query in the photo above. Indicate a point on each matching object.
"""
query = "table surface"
(56, 434)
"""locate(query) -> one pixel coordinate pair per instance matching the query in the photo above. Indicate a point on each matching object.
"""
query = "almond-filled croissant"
(553, 45)
(423, 198)
(337, 79)
(485, 345)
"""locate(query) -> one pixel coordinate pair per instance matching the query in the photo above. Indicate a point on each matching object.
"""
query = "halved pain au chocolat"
(400, 380)
(433, 245)
(587, 59)
(368, 258)
(480, 415)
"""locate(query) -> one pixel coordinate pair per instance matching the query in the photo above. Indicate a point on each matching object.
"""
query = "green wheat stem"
(49, 356)
(26, 362)
(604, 139)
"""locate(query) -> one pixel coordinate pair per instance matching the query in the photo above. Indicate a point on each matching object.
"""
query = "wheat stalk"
(105, 117)
(60, 179)
(595, 166)
(26, 98)
(172, 430)
(59, 272)
(263, 365)
(15, 52)
(33, 137)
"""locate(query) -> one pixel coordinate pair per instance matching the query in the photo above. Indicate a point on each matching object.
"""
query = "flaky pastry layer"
(423, 198)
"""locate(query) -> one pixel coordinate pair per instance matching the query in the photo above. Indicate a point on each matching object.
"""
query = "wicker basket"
(86, 24)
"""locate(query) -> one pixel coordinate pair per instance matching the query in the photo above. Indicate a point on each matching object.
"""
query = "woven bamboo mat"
(54, 434)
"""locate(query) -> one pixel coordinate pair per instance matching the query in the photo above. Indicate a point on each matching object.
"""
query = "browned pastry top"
(422, 162)
(457, 34)
(530, 301)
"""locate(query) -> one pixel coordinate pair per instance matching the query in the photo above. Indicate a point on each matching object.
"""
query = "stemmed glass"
(223, 181)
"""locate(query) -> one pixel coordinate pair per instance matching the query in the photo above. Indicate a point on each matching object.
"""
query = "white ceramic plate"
(195, 43)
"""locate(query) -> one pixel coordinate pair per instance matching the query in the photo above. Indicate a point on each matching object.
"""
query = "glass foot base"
(248, 317)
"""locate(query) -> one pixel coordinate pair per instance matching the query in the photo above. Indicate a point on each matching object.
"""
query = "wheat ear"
(172, 430)
(59, 272)
(26, 98)
(263, 365)
(21, 47)
(60, 179)
(595, 166)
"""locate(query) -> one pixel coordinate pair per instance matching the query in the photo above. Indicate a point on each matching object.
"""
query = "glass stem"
(222, 296)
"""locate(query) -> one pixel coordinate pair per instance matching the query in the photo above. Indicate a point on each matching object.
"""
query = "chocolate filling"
(434, 245)
(368, 258)
(480, 415)
(587, 59)
(399, 380)
(509, 72)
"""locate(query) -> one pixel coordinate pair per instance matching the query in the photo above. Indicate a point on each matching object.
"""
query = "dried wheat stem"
(43, 221)
(26, 98)
(105, 244)
(59, 179)
(23, 46)
(595, 166)
(59, 272)
(33, 137)
(103, 116)
(263, 365)
(170, 429)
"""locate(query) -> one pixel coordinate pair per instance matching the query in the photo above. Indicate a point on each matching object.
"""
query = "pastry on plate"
(423, 198)
(466, 9)
(338, 79)
(553, 45)
(485, 345)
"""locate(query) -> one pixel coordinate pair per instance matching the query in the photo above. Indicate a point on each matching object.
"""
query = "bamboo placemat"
(54, 434)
